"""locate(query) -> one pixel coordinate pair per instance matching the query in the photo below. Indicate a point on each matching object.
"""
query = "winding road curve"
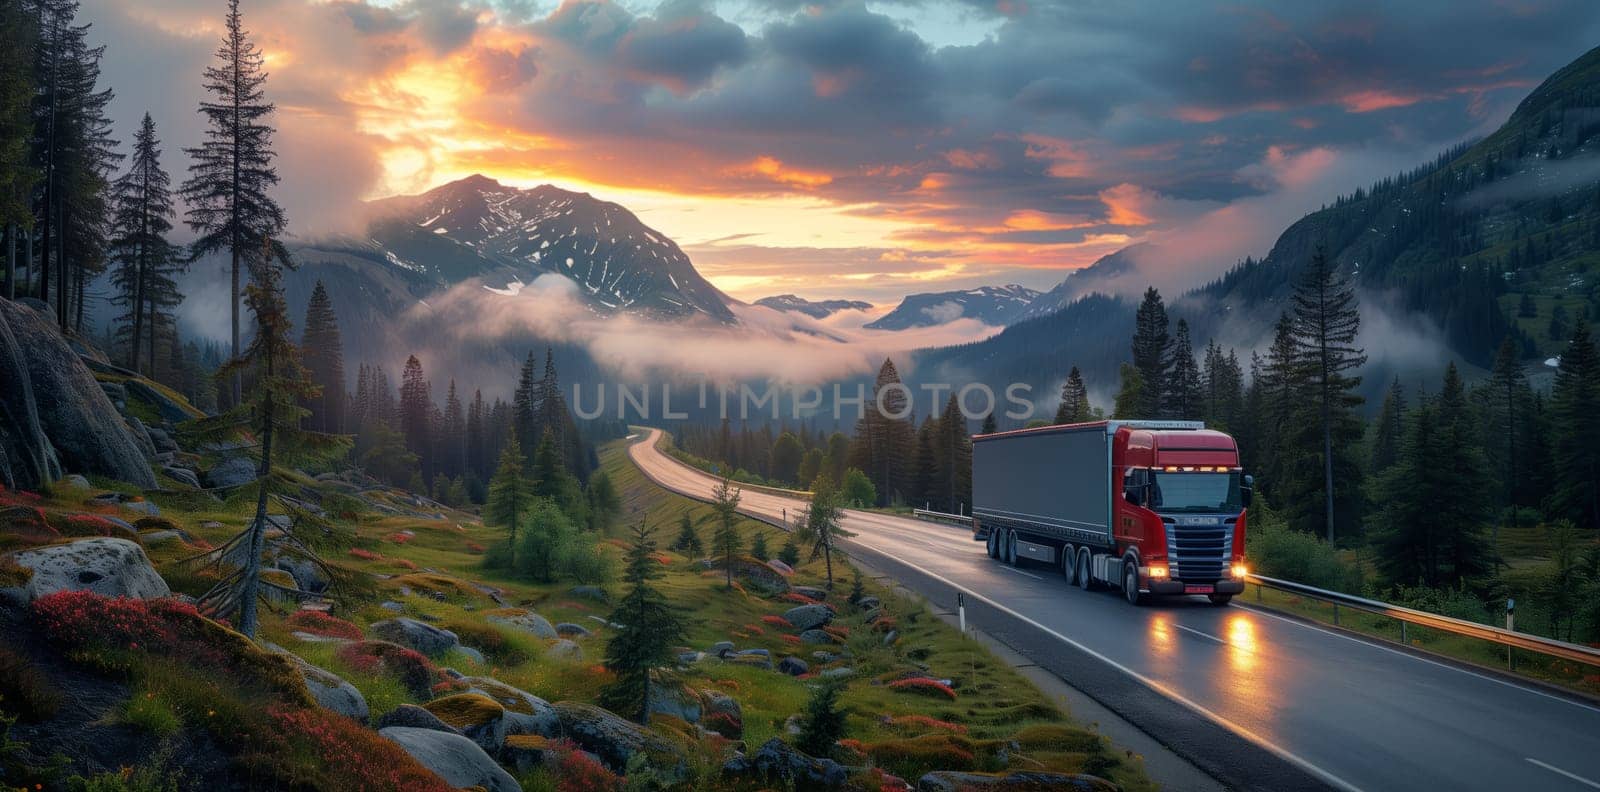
(1254, 699)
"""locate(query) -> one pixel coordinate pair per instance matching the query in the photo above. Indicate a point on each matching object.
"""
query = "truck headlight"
(1240, 571)
(1158, 571)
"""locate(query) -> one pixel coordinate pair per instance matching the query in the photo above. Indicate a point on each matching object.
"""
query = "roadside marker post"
(1511, 625)
(961, 611)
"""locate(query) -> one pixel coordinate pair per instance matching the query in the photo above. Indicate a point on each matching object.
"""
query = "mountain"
(1493, 238)
(1113, 273)
(992, 305)
(817, 310)
(477, 227)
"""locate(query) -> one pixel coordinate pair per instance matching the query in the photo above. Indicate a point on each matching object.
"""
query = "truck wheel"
(1085, 580)
(1069, 565)
(1011, 548)
(993, 544)
(1220, 600)
(1130, 584)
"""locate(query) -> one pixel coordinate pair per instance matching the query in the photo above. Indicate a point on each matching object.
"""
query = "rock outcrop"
(456, 759)
(53, 414)
(112, 567)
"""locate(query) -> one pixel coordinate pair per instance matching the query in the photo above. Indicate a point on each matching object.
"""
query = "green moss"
(464, 710)
(12, 574)
(151, 713)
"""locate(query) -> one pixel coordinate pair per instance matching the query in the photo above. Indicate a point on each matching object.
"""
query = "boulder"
(141, 436)
(677, 701)
(793, 666)
(721, 649)
(115, 392)
(525, 621)
(413, 716)
(525, 712)
(590, 592)
(1025, 781)
(330, 691)
(723, 714)
(777, 762)
(780, 567)
(169, 408)
(76, 481)
(810, 591)
(53, 414)
(843, 672)
(524, 753)
(563, 649)
(478, 718)
(231, 473)
(808, 617)
(817, 637)
(454, 758)
(609, 737)
(425, 638)
(183, 476)
(162, 440)
(869, 603)
(570, 630)
(143, 507)
(112, 567)
(307, 576)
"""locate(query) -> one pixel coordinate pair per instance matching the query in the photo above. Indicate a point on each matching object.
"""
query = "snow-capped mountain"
(820, 309)
(477, 227)
(992, 305)
(1114, 274)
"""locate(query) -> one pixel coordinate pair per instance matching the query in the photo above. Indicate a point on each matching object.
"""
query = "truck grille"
(1199, 553)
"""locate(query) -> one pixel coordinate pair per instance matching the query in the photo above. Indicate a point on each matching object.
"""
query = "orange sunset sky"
(863, 150)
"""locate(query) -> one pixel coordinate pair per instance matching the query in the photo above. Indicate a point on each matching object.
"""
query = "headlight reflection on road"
(1242, 644)
(1161, 634)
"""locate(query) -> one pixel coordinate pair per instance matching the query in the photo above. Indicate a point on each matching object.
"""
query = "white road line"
(1008, 569)
(1558, 771)
(1392, 650)
(1206, 635)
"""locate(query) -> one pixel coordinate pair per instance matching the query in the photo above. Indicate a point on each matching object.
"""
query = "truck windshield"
(1196, 492)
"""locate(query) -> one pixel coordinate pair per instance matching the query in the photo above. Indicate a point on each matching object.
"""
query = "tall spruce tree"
(1388, 431)
(146, 262)
(1182, 398)
(1151, 346)
(17, 172)
(1130, 395)
(525, 409)
(324, 353)
(452, 444)
(1074, 400)
(510, 496)
(1326, 322)
(885, 440)
(1575, 408)
(725, 544)
(648, 629)
(954, 449)
(925, 466)
(231, 175)
(416, 414)
(821, 527)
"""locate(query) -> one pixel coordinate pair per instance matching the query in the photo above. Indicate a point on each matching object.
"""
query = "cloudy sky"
(866, 150)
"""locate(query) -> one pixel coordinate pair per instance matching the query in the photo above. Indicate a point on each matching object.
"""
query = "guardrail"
(1507, 638)
(944, 517)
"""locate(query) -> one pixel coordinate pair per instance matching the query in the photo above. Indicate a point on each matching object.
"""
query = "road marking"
(1558, 771)
(1392, 650)
(1201, 634)
(1158, 687)
(1012, 569)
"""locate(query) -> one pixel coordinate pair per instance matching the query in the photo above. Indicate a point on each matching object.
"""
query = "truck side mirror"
(1248, 491)
(1131, 495)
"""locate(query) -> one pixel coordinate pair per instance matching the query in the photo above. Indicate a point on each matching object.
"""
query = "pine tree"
(1181, 396)
(789, 553)
(1387, 433)
(1326, 321)
(924, 466)
(758, 547)
(785, 457)
(476, 442)
(837, 458)
(884, 444)
(1575, 408)
(525, 410)
(141, 219)
(230, 207)
(822, 724)
(953, 448)
(510, 494)
(416, 407)
(552, 480)
(688, 542)
(452, 434)
(604, 502)
(1150, 356)
(324, 351)
(17, 174)
(990, 425)
(810, 466)
(821, 528)
(648, 629)
(1074, 400)
(273, 414)
(725, 543)
(1131, 395)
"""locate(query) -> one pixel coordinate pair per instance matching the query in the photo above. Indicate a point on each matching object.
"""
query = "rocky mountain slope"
(991, 305)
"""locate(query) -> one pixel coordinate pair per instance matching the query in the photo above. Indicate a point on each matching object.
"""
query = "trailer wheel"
(1069, 565)
(1220, 600)
(1130, 584)
(1011, 548)
(993, 544)
(1085, 580)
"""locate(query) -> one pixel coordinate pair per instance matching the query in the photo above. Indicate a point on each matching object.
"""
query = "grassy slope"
(993, 704)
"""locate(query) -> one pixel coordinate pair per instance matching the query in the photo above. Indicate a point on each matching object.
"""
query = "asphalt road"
(1257, 700)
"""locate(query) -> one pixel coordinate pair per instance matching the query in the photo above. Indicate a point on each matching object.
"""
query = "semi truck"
(1145, 507)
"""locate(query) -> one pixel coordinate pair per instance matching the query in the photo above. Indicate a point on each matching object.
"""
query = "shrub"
(364, 554)
(338, 753)
(500, 647)
(319, 623)
(923, 685)
(922, 724)
(1276, 550)
(409, 666)
(822, 723)
(152, 714)
(789, 553)
(577, 771)
(911, 757)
